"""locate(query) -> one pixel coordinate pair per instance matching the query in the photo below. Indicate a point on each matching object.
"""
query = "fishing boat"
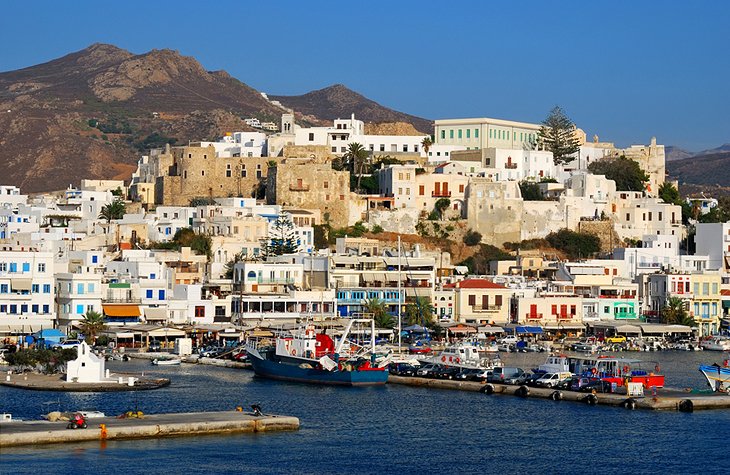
(716, 343)
(167, 362)
(718, 376)
(309, 357)
(607, 368)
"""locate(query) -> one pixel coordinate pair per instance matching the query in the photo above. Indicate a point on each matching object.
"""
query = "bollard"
(7, 378)
(130, 381)
(121, 380)
(107, 374)
(102, 434)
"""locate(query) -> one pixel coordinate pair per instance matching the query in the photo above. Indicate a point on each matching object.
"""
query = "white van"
(550, 380)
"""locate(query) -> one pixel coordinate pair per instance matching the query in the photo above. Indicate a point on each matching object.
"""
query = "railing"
(440, 194)
(122, 300)
(533, 316)
(486, 308)
(563, 316)
(510, 166)
(676, 222)
(263, 281)
(623, 296)
(298, 187)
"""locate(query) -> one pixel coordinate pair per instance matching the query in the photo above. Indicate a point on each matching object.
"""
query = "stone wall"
(400, 220)
(604, 230)
(495, 210)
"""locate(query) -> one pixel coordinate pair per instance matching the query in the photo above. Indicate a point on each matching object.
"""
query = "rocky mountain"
(711, 168)
(675, 153)
(92, 113)
(338, 101)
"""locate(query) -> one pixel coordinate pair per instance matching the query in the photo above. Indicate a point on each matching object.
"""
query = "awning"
(569, 326)
(118, 333)
(21, 284)
(155, 314)
(490, 329)
(530, 330)
(628, 329)
(166, 332)
(121, 310)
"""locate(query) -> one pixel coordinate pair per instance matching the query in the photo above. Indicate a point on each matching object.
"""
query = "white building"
(86, 368)
(78, 293)
(27, 292)
(713, 240)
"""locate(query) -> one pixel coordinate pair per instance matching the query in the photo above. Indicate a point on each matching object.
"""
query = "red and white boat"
(608, 368)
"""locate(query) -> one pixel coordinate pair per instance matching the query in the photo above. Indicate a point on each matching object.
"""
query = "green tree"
(531, 191)
(575, 245)
(669, 194)
(114, 210)
(356, 156)
(426, 143)
(419, 312)
(557, 133)
(240, 256)
(627, 173)
(472, 238)
(281, 239)
(92, 325)
(675, 313)
(441, 205)
(379, 311)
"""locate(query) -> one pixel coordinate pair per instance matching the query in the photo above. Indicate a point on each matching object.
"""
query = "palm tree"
(355, 157)
(426, 144)
(92, 325)
(114, 210)
(420, 312)
(675, 313)
(380, 313)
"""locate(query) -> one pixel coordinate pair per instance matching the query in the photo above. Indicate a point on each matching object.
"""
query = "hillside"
(708, 169)
(339, 102)
(92, 113)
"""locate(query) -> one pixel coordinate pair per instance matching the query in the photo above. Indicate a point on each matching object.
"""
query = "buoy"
(556, 396)
(488, 389)
(443, 358)
(629, 403)
(686, 405)
(591, 399)
(594, 371)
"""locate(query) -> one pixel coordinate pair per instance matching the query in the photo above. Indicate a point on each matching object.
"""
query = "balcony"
(279, 281)
(122, 300)
(563, 316)
(440, 194)
(510, 166)
(486, 308)
(299, 187)
(533, 316)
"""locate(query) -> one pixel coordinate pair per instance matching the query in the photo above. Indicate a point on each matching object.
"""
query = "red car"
(419, 350)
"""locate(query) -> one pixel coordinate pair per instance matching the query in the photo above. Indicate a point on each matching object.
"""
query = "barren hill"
(338, 101)
(702, 169)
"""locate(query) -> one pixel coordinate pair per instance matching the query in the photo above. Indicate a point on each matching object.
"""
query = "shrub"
(377, 229)
(472, 238)
(575, 245)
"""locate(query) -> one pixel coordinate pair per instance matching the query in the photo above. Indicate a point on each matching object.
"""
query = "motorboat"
(464, 355)
(167, 361)
(718, 376)
(716, 343)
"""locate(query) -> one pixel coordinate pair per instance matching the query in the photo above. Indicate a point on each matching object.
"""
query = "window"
(80, 289)
(79, 309)
(228, 173)
(46, 309)
(476, 133)
(334, 149)
(161, 295)
(46, 288)
(554, 309)
(199, 311)
(311, 139)
(94, 259)
(468, 133)
(472, 300)
(13, 309)
(421, 189)
(41, 267)
(26, 266)
(3, 288)
(90, 287)
(34, 288)
(459, 133)
(443, 134)
(3, 266)
(498, 300)
(326, 184)
(405, 147)
(148, 293)
(451, 133)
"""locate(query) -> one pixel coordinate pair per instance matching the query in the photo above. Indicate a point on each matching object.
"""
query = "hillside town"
(477, 229)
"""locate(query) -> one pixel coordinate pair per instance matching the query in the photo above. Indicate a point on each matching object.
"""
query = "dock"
(150, 426)
(57, 382)
(666, 400)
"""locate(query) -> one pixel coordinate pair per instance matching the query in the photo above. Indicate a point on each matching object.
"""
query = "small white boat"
(92, 414)
(166, 362)
(716, 343)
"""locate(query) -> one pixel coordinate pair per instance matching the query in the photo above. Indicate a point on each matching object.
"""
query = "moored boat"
(464, 355)
(716, 343)
(718, 375)
(166, 362)
(307, 357)
(607, 368)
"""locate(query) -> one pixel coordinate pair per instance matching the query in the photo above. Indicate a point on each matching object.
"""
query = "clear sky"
(625, 70)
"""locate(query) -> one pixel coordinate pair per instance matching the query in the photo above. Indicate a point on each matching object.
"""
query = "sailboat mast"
(400, 304)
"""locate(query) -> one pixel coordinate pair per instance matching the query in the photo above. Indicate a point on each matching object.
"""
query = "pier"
(666, 400)
(57, 382)
(150, 426)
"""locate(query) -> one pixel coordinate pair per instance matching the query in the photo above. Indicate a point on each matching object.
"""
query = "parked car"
(402, 369)
(65, 344)
(467, 374)
(212, 351)
(482, 375)
(520, 379)
(576, 384)
(599, 385)
(531, 380)
(239, 355)
(499, 374)
(616, 339)
(426, 370)
(154, 346)
(551, 380)
(447, 372)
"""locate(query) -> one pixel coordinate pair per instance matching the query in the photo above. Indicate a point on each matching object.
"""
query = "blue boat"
(307, 357)
(718, 377)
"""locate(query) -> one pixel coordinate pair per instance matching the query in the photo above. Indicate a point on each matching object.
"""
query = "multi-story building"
(552, 311)
(713, 240)
(78, 293)
(486, 133)
(479, 301)
(27, 291)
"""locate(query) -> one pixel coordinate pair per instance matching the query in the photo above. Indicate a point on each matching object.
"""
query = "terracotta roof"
(474, 284)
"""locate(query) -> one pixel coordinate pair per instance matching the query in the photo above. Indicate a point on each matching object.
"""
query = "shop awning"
(490, 329)
(628, 329)
(529, 330)
(21, 284)
(569, 326)
(166, 332)
(112, 333)
(121, 310)
(155, 314)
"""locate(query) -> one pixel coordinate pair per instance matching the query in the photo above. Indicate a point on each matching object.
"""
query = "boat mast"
(399, 298)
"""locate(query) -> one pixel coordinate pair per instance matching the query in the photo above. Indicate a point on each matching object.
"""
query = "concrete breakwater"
(666, 400)
(151, 426)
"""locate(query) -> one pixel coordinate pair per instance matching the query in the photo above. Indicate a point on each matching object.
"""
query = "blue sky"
(625, 70)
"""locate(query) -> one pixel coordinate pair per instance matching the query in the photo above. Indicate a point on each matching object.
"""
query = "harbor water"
(390, 429)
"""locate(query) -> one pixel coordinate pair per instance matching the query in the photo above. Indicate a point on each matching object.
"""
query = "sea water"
(390, 429)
